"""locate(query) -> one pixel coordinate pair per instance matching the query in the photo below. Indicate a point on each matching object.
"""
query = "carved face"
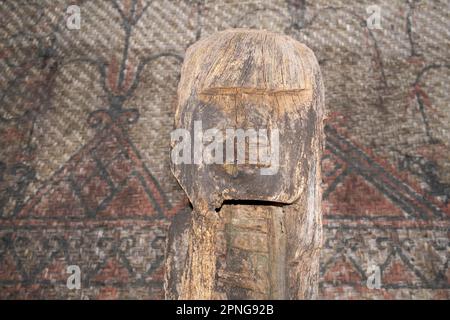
(251, 103)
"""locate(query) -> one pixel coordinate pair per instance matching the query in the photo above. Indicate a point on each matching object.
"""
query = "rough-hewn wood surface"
(250, 235)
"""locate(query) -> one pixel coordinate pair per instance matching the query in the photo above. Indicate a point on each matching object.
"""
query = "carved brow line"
(231, 91)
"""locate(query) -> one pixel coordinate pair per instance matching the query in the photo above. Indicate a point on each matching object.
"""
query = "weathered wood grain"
(250, 235)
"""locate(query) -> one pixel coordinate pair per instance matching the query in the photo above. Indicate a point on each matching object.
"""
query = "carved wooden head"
(254, 100)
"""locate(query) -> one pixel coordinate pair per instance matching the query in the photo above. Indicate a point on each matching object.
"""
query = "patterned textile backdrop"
(85, 117)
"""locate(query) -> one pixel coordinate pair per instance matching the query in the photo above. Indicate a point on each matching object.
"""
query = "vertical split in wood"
(277, 254)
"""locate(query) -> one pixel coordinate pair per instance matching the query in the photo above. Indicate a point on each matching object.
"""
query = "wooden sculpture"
(255, 230)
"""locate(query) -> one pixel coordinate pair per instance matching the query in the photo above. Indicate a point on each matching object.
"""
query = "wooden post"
(255, 230)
